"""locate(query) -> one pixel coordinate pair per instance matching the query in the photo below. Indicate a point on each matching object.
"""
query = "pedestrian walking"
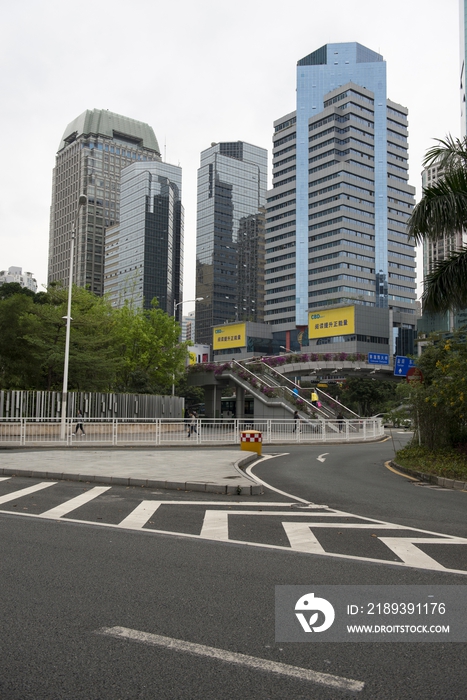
(340, 421)
(192, 424)
(79, 422)
(314, 399)
(296, 418)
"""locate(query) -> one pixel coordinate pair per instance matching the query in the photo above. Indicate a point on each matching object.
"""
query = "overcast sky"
(197, 72)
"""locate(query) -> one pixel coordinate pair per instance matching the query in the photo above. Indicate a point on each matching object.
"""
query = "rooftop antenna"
(165, 149)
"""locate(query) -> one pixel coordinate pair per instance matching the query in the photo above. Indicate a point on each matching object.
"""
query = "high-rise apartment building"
(340, 200)
(94, 149)
(230, 236)
(144, 252)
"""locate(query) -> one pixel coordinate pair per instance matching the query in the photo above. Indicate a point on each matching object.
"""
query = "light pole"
(180, 303)
(188, 301)
(81, 202)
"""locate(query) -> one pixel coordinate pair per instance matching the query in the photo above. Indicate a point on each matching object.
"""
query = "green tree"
(93, 357)
(442, 211)
(18, 362)
(439, 402)
(12, 288)
(368, 396)
(152, 358)
(32, 341)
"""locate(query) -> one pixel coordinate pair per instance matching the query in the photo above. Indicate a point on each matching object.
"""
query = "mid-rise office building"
(95, 147)
(144, 252)
(230, 236)
(337, 211)
(188, 326)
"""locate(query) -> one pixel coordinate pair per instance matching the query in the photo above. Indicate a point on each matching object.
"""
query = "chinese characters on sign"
(402, 365)
(229, 336)
(331, 322)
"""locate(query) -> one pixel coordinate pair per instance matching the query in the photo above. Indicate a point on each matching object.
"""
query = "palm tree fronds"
(448, 154)
(446, 286)
(442, 209)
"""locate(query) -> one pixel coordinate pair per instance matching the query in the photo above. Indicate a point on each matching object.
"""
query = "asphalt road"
(355, 478)
(64, 581)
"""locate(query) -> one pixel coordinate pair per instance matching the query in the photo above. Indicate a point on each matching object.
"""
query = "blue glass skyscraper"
(337, 211)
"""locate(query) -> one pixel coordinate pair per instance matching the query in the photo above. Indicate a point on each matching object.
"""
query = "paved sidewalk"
(216, 471)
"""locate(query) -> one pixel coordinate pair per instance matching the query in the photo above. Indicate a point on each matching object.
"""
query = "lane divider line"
(265, 665)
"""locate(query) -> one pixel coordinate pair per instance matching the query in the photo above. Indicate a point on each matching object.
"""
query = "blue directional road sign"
(401, 365)
(378, 358)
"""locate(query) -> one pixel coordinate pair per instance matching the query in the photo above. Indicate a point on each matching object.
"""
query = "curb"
(254, 489)
(432, 478)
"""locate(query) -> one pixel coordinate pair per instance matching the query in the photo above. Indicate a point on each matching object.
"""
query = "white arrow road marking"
(322, 458)
(304, 674)
(5, 478)
(25, 492)
(74, 503)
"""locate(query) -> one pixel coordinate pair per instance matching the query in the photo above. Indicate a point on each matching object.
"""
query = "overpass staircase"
(271, 387)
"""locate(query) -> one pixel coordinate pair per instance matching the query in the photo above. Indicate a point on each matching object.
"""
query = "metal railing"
(285, 392)
(30, 432)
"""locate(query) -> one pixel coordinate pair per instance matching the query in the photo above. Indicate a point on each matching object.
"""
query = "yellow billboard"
(322, 324)
(231, 336)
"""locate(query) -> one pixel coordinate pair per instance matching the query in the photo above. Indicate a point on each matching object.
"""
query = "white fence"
(32, 432)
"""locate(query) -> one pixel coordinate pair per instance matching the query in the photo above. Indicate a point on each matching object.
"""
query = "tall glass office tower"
(230, 236)
(337, 211)
(93, 150)
(144, 252)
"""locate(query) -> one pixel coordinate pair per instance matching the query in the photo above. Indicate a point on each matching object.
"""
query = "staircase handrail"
(313, 408)
(320, 391)
(269, 400)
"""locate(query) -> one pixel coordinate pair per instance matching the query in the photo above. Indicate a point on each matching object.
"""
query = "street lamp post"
(180, 303)
(81, 202)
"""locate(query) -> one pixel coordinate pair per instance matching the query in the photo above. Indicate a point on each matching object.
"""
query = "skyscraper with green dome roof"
(93, 150)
